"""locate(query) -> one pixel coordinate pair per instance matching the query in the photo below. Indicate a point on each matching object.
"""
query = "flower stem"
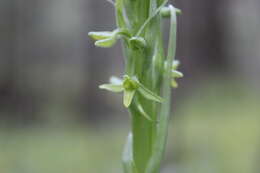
(148, 77)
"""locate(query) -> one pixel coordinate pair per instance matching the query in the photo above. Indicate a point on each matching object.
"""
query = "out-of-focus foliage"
(50, 73)
(65, 150)
(215, 130)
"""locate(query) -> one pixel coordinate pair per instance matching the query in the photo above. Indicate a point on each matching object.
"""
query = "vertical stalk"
(148, 76)
(143, 64)
(159, 144)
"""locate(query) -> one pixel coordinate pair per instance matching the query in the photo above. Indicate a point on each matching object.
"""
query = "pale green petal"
(176, 74)
(128, 97)
(174, 84)
(100, 35)
(106, 43)
(112, 87)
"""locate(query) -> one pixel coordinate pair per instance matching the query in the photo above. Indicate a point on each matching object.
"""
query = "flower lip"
(129, 84)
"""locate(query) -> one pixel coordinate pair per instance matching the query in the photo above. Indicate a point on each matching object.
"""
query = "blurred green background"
(54, 119)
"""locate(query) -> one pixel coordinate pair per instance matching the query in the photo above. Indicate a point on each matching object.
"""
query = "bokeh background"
(54, 119)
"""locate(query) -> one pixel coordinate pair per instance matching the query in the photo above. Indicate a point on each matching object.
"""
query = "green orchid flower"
(130, 86)
(106, 39)
(175, 74)
(139, 26)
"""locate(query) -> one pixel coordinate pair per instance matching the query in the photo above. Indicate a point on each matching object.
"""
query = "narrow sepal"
(128, 97)
(106, 43)
(145, 92)
(112, 87)
(176, 74)
(100, 35)
(141, 110)
(106, 39)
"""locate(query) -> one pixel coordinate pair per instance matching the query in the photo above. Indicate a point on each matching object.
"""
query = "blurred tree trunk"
(44, 46)
(202, 36)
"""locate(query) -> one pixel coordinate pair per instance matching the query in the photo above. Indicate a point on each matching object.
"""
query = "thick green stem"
(147, 79)
(142, 19)
(139, 17)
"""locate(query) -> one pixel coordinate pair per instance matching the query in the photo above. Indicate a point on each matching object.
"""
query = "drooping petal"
(141, 110)
(128, 97)
(174, 84)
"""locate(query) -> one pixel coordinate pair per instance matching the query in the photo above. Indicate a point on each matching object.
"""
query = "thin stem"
(159, 146)
(150, 18)
(146, 84)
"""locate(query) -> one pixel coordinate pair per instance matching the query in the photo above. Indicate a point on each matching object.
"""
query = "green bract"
(149, 75)
(137, 43)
